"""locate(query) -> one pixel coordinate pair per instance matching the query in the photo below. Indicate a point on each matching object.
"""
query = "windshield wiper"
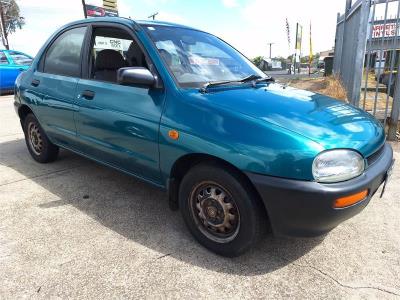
(257, 79)
(254, 78)
(266, 79)
(204, 88)
(251, 77)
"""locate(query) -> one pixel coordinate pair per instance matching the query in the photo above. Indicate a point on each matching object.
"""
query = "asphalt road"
(75, 229)
(283, 76)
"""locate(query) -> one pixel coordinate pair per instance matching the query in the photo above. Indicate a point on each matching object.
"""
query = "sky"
(248, 25)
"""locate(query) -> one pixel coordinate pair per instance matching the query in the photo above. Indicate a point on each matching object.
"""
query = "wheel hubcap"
(35, 138)
(215, 212)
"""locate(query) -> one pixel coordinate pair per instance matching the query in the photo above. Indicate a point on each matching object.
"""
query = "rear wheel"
(220, 210)
(39, 146)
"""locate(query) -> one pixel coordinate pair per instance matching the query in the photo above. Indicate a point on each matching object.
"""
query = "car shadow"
(140, 212)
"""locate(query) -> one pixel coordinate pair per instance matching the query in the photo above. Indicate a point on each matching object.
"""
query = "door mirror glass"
(135, 76)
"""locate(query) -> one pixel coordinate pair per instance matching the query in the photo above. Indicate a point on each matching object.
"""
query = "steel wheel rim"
(215, 212)
(35, 138)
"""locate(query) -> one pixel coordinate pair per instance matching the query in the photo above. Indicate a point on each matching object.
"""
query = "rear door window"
(64, 55)
(20, 59)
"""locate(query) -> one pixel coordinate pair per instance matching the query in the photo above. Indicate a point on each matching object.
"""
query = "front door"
(118, 124)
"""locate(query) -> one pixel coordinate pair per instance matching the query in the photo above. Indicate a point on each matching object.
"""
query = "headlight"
(337, 165)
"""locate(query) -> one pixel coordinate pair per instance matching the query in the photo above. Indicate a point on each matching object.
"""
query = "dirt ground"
(331, 87)
(323, 85)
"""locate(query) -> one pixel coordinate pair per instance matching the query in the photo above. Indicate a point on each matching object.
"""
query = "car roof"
(127, 21)
(161, 23)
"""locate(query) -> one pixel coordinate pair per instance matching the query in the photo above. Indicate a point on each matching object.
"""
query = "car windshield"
(20, 59)
(196, 58)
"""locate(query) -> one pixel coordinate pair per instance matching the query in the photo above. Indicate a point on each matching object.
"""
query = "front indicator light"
(350, 200)
(173, 134)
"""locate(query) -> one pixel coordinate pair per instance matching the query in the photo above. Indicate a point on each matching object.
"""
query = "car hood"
(329, 122)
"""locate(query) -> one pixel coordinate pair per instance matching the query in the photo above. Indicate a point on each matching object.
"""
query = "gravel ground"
(75, 229)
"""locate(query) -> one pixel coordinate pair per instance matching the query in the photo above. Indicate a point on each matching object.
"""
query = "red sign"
(388, 29)
(96, 11)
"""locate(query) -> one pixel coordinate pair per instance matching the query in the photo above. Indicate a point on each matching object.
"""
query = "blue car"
(181, 109)
(11, 64)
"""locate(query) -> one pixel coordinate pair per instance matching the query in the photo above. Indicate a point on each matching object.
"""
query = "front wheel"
(221, 210)
(39, 146)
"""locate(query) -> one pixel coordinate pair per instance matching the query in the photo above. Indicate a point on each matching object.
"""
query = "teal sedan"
(11, 64)
(181, 109)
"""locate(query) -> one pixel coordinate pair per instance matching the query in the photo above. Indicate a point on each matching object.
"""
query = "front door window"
(112, 49)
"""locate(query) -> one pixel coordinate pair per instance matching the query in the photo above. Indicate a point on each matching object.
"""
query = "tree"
(257, 60)
(10, 19)
(305, 59)
(281, 59)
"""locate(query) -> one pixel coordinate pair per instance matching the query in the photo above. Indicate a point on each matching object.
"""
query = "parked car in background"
(11, 64)
(179, 108)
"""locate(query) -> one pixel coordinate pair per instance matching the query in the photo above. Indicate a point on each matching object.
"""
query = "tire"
(210, 194)
(39, 146)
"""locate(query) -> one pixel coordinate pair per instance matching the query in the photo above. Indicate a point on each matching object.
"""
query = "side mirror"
(135, 76)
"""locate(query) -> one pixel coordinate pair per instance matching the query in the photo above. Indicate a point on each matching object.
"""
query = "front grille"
(374, 157)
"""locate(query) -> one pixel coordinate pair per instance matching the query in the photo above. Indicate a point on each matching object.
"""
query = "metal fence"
(367, 55)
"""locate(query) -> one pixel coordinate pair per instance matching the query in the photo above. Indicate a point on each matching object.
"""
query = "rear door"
(118, 124)
(56, 80)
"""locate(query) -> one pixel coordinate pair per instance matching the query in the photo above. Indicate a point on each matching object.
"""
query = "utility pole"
(270, 49)
(84, 9)
(3, 28)
(153, 16)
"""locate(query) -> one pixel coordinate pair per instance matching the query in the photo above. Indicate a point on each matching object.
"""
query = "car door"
(8, 72)
(118, 124)
(18, 62)
(56, 81)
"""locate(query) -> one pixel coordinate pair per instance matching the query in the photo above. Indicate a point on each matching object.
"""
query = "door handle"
(88, 95)
(35, 82)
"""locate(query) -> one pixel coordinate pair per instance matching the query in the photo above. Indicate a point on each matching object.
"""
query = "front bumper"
(304, 208)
